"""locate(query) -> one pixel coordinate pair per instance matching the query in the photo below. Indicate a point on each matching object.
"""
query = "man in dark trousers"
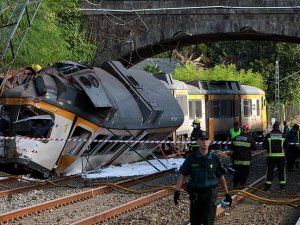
(204, 169)
(242, 146)
(275, 145)
(292, 138)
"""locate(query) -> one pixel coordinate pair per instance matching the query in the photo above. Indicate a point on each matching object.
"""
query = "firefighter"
(292, 138)
(233, 132)
(204, 170)
(196, 131)
(275, 145)
(242, 146)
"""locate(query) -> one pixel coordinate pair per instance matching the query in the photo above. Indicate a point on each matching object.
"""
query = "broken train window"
(33, 122)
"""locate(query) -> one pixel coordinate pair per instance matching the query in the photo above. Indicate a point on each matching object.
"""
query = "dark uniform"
(292, 137)
(242, 146)
(203, 172)
(275, 145)
(196, 131)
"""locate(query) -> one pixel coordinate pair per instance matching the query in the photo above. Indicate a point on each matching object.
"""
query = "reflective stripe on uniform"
(275, 154)
(242, 143)
(239, 162)
(270, 153)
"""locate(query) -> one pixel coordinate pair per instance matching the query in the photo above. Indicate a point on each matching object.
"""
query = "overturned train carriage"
(74, 101)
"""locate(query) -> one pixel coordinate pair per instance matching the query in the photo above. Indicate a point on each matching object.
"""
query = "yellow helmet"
(36, 67)
(196, 122)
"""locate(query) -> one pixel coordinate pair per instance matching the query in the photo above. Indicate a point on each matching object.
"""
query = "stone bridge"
(131, 31)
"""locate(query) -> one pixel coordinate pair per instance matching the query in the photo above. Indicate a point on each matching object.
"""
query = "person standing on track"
(242, 146)
(204, 169)
(275, 145)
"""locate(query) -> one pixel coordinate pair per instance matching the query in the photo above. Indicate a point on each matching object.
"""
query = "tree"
(55, 35)
(220, 72)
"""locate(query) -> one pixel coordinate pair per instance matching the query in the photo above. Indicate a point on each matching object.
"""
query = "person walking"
(242, 147)
(275, 145)
(292, 139)
(204, 169)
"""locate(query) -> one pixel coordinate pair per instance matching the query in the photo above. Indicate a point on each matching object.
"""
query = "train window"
(195, 109)
(86, 82)
(247, 108)
(118, 145)
(258, 107)
(182, 101)
(74, 147)
(95, 146)
(226, 108)
(216, 108)
(33, 122)
(94, 81)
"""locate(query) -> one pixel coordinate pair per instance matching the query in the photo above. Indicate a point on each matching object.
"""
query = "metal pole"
(277, 100)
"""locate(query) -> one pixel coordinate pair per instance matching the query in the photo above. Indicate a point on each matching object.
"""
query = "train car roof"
(192, 90)
(217, 87)
(247, 89)
(170, 83)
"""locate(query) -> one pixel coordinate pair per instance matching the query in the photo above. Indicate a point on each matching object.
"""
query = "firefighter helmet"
(245, 127)
(36, 67)
(196, 122)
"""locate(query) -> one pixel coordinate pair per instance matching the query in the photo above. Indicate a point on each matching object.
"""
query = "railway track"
(14, 184)
(85, 199)
(23, 215)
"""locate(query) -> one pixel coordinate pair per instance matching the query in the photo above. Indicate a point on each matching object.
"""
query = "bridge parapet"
(131, 31)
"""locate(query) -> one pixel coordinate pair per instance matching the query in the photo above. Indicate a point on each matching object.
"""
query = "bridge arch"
(131, 31)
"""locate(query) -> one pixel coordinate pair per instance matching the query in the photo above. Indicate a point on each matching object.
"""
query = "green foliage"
(260, 57)
(55, 35)
(219, 72)
(153, 69)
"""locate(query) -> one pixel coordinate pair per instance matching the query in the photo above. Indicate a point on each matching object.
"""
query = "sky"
(135, 169)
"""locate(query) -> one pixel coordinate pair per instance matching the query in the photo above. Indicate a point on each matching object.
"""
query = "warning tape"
(117, 141)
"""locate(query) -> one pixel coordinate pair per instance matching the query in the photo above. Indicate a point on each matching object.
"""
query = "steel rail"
(124, 208)
(30, 187)
(103, 216)
(9, 216)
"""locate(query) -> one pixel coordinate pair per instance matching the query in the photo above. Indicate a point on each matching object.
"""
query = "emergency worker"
(196, 131)
(275, 145)
(234, 131)
(292, 138)
(204, 169)
(242, 146)
(285, 128)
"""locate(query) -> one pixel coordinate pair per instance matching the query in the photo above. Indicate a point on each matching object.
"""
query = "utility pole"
(277, 103)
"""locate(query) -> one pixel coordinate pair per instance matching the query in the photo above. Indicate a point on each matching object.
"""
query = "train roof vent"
(204, 85)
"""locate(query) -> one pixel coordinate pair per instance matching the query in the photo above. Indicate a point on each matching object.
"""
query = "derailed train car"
(74, 101)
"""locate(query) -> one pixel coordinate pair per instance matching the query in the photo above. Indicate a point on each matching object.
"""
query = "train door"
(263, 114)
(80, 133)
